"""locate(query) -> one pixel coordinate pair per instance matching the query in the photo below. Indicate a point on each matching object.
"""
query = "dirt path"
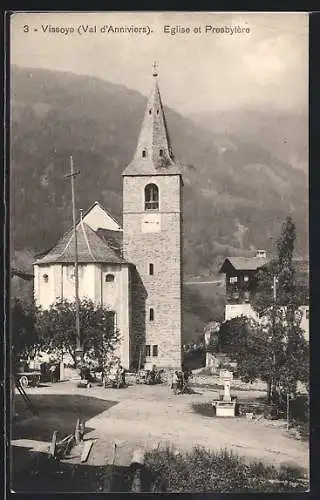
(150, 416)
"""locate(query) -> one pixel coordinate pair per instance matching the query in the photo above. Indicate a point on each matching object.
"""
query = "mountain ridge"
(236, 194)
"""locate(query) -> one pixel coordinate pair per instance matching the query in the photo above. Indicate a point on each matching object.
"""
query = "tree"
(24, 334)
(273, 349)
(281, 268)
(243, 340)
(211, 336)
(56, 327)
(278, 300)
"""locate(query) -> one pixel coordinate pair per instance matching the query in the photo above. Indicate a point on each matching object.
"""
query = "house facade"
(241, 285)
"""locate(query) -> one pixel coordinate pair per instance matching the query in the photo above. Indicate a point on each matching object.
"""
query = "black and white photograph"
(159, 252)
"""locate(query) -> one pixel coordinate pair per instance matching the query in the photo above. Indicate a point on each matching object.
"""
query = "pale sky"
(267, 67)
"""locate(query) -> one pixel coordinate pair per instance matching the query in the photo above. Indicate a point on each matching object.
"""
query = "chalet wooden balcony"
(238, 297)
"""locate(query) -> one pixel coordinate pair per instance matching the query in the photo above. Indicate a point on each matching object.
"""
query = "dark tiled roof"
(244, 263)
(113, 239)
(301, 266)
(21, 274)
(91, 248)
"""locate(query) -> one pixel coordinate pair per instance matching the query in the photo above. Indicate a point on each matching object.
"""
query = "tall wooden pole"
(288, 409)
(76, 267)
(275, 281)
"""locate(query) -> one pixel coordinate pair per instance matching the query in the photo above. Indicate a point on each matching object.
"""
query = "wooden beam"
(53, 444)
(86, 451)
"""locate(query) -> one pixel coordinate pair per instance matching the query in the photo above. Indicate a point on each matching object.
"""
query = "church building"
(136, 270)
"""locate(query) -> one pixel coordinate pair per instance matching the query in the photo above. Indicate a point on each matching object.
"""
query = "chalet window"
(151, 197)
(144, 153)
(155, 350)
(246, 278)
(233, 279)
(151, 314)
(151, 269)
(109, 278)
(45, 278)
(246, 296)
(235, 295)
(148, 350)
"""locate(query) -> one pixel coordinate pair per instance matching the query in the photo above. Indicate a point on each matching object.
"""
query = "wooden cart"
(29, 379)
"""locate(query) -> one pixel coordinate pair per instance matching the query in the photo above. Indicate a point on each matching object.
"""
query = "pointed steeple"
(153, 155)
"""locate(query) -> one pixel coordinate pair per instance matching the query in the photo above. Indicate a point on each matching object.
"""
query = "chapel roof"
(91, 248)
(153, 155)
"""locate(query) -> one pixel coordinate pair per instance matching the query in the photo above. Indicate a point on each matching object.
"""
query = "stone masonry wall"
(163, 250)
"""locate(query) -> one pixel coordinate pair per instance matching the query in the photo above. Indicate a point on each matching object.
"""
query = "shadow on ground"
(56, 413)
(43, 475)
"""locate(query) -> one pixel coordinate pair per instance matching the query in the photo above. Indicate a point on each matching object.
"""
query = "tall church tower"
(152, 240)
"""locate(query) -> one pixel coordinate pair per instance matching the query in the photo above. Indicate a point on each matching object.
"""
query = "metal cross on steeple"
(155, 70)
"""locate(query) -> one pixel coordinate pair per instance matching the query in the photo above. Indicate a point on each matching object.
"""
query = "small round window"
(109, 278)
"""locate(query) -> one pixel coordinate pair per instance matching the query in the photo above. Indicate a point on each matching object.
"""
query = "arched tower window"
(151, 197)
(144, 153)
(109, 278)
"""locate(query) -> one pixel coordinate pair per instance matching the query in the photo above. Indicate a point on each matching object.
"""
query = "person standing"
(175, 381)
(122, 373)
(52, 370)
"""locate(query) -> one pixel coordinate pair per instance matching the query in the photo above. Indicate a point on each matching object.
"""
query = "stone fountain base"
(225, 408)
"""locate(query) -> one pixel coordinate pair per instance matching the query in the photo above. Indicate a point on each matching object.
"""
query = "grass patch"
(223, 472)
(204, 409)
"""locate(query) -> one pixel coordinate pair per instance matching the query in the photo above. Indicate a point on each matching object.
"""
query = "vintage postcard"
(159, 252)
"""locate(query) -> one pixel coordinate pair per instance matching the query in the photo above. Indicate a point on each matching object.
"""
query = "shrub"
(223, 472)
(299, 408)
(205, 409)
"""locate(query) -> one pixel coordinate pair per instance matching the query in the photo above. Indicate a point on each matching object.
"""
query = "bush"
(303, 429)
(299, 408)
(205, 409)
(223, 472)
(209, 410)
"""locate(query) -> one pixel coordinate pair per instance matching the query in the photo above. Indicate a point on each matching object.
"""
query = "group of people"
(113, 373)
(117, 375)
(180, 381)
(153, 376)
(85, 373)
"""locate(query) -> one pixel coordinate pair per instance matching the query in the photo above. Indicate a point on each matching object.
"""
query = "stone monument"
(227, 396)
(226, 407)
